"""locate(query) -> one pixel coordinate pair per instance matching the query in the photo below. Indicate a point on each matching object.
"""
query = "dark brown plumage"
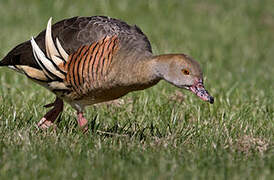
(87, 60)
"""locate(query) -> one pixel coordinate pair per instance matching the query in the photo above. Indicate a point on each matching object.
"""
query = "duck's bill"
(201, 92)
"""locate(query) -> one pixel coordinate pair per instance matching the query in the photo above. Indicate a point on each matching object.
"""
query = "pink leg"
(52, 115)
(82, 121)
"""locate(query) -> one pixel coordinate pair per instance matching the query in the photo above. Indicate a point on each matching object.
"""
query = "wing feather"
(45, 63)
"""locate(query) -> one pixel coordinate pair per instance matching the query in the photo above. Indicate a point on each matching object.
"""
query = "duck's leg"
(82, 121)
(52, 115)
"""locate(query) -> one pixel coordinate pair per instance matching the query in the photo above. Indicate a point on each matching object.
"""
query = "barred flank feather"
(90, 64)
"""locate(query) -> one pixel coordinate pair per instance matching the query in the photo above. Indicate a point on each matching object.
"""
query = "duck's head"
(183, 72)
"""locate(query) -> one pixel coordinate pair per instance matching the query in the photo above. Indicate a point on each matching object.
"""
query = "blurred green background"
(162, 132)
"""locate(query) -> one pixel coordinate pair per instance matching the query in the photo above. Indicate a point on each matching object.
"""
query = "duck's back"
(76, 32)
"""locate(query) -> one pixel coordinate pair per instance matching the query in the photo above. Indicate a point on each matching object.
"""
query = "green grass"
(157, 133)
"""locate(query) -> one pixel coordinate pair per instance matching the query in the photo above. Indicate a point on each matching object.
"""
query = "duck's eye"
(185, 71)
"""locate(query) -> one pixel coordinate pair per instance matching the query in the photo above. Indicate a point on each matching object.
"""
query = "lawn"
(162, 132)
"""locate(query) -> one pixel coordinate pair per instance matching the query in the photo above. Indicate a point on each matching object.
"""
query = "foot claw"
(44, 123)
(41, 122)
(52, 115)
(82, 122)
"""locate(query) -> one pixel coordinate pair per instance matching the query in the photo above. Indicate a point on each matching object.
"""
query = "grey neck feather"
(159, 68)
(141, 74)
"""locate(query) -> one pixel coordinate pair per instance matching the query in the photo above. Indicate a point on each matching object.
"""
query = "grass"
(162, 132)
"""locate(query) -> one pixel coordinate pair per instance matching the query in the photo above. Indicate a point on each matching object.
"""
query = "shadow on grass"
(133, 130)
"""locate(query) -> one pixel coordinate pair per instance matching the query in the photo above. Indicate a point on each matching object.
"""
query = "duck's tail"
(3, 62)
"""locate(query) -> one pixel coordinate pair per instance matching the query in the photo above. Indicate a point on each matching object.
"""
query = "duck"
(90, 60)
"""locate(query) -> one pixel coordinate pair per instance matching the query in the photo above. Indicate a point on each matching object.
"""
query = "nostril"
(211, 100)
(200, 86)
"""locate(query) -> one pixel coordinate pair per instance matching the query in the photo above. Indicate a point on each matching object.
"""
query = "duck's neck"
(145, 73)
